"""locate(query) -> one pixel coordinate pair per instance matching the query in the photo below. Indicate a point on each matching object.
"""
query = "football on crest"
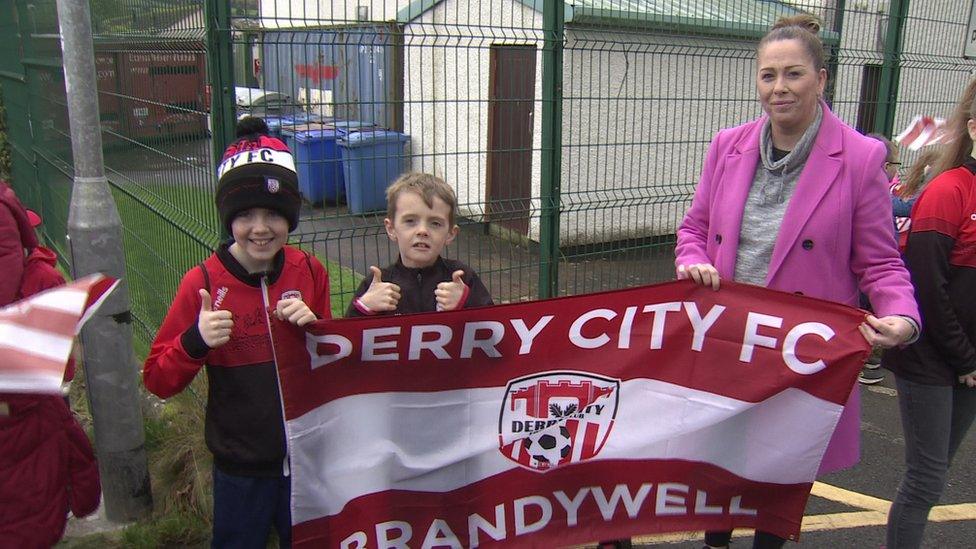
(549, 446)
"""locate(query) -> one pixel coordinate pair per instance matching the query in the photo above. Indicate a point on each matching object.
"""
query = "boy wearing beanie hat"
(240, 313)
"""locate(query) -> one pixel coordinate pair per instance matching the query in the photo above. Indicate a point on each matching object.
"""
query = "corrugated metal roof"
(735, 18)
(749, 12)
(726, 18)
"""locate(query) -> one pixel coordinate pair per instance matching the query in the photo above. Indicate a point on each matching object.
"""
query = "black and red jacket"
(941, 256)
(417, 287)
(244, 427)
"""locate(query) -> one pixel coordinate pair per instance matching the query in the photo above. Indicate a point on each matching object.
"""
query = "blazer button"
(718, 238)
(798, 293)
(808, 244)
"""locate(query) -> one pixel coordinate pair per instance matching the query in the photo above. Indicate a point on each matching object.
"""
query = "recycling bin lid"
(360, 138)
(315, 134)
(351, 124)
(305, 127)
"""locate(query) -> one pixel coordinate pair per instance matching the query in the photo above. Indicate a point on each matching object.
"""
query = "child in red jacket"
(46, 468)
(41, 273)
(238, 315)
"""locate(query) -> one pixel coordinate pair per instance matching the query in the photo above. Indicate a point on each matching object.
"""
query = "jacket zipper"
(285, 465)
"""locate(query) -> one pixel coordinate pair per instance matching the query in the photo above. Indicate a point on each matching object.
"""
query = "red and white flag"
(37, 332)
(564, 421)
(922, 131)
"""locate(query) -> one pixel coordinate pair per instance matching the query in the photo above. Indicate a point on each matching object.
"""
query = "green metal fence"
(573, 132)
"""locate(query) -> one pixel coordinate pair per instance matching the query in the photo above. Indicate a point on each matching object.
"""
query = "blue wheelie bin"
(318, 161)
(372, 159)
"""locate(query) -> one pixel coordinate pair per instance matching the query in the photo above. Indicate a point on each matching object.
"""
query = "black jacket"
(941, 256)
(417, 287)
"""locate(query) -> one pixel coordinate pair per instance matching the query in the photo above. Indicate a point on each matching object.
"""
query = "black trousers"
(762, 540)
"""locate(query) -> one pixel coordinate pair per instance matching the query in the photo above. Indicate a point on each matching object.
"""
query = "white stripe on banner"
(31, 382)
(39, 343)
(391, 445)
(65, 299)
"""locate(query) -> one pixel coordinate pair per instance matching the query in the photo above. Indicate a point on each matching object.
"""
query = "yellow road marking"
(875, 513)
(882, 390)
(847, 497)
(959, 511)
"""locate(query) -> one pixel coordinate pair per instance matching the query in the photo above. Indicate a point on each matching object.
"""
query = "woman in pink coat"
(796, 201)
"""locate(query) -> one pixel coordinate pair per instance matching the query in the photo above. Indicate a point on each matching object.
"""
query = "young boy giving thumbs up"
(420, 219)
(238, 313)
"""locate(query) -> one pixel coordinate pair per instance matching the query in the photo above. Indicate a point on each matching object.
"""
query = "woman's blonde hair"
(803, 28)
(959, 146)
(919, 173)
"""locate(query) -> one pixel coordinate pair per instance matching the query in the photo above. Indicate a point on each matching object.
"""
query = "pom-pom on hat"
(258, 171)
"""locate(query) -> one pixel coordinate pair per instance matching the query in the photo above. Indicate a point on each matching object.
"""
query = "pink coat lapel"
(819, 174)
(740, 170)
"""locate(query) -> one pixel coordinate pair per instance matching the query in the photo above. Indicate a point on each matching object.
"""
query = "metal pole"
(891, 68)
(837, 25)
(95, 244)
(552, 124)
(220, 72)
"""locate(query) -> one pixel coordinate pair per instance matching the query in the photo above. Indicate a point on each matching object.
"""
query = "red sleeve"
(169, 368)
(84, 484)
(939, 208)
(39, 275)
(11, 256)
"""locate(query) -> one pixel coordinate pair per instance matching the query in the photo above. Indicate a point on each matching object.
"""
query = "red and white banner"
(922, 131)
(37, 332)
(653, 409)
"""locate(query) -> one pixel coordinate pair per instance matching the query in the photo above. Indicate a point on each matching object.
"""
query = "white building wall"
(929, 82)
(446, 77)
(933, 72)
(303, 13)
(638, 116)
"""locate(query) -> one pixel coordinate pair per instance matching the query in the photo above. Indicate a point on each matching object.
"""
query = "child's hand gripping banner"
(654, 409)
(37, 332)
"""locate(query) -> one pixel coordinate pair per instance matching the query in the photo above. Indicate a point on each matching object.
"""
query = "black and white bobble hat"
(258, 172)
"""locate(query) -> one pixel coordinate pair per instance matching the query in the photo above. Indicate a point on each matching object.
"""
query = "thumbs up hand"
(381, 296)
(214, 326)
(294, 310)
(449, 294)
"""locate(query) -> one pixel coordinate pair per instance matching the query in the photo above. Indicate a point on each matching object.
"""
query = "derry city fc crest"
(556, 418)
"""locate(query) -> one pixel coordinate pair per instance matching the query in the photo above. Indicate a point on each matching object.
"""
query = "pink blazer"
(836, 234)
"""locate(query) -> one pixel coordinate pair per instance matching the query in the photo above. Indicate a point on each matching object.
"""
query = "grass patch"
(339, 277)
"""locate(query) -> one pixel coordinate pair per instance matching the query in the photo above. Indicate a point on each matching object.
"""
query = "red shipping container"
(164, 93)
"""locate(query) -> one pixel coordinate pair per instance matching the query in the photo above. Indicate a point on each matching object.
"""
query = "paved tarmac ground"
(849, 508)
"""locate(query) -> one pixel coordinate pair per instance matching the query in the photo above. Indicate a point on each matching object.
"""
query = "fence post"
(552, 126)
(837, 26)
(220, 74)
(891, 68)
(95, 243)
